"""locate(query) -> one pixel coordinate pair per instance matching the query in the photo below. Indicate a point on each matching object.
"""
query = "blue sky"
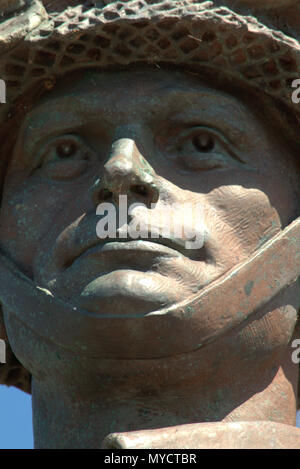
(16, 420)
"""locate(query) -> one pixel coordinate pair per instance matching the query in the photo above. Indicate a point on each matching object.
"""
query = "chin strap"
(222, 306)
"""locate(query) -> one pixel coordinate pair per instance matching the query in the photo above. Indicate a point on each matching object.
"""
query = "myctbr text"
(151, 458)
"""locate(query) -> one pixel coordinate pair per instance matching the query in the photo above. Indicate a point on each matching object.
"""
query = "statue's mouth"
(122, 278)
(79, 244)
(168, 247)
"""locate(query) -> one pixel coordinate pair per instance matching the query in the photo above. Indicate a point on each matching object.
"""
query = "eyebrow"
(42, 124)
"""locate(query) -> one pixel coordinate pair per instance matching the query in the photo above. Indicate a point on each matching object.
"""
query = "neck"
(72, 416)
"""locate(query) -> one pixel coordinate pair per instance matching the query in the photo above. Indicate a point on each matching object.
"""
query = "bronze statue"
(144, 342)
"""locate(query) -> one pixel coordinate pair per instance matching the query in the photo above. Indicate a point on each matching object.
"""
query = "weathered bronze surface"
(147, 343)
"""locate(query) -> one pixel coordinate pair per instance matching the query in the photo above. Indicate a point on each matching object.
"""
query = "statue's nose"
(126, 173)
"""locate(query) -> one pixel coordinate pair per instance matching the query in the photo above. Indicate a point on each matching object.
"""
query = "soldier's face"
(163, 139)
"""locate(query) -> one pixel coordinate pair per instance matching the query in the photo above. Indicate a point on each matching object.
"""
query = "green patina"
(248, 288)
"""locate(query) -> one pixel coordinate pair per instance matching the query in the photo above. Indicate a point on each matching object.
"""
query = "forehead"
(139, 82)
(129, 92)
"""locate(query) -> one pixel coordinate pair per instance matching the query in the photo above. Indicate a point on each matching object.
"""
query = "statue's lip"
(170, 247)
(139, 245)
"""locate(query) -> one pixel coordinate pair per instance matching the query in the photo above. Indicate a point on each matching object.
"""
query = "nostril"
(104, 194)
(139, 190)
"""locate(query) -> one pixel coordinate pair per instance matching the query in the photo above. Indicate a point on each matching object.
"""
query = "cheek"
(249, 214)
(33, 216)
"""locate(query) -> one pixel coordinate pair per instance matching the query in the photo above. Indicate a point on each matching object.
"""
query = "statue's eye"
(204, 143)
(201, 148)
(66, 150)
(64, 157)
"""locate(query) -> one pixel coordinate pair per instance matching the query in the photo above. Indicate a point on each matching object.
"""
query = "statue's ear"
(12, 373)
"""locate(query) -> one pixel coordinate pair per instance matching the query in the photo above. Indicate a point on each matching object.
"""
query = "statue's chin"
(127, 293)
